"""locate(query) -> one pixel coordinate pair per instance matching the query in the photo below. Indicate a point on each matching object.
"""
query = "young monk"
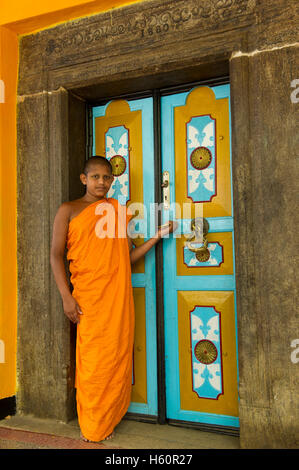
(101, 303)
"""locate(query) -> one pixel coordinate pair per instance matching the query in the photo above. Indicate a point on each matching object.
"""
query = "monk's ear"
(83, 178)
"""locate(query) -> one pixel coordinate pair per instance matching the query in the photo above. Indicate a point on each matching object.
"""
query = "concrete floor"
(26, 432)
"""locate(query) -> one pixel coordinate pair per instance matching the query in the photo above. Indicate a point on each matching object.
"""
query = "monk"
(100, 254)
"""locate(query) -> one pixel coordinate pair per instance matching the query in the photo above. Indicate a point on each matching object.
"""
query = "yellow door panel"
(119, 115)
(119, 133)
(207, 352)
(220, 246)
(200, 167)
(139, 388)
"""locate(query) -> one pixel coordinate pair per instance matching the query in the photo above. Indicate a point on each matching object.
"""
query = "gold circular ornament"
(200, 158)
(203, 255)
(118, 165)
(205, 351)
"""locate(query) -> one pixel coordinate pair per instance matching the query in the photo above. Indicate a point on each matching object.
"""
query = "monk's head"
(97, 176)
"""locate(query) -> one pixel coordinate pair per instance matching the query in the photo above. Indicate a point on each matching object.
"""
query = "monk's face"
(98, 180)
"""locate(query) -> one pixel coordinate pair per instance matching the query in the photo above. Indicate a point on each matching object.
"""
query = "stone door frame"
(144, 46)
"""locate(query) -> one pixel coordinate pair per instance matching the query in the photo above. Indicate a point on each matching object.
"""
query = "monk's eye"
(106, 177)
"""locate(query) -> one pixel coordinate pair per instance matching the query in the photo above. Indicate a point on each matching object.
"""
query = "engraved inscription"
(176, 15)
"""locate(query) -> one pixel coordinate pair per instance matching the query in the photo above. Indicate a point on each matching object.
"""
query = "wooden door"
(199, 292)
(123, 133)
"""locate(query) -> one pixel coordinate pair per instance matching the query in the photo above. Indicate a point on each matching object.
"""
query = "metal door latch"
(165, 186)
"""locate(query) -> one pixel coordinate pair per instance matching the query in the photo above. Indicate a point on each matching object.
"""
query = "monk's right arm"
(58, 268)
(60, 228)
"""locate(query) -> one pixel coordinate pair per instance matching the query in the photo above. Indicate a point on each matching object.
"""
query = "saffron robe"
(101, 276)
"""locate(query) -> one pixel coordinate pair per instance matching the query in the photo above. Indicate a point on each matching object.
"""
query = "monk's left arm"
(140, 251)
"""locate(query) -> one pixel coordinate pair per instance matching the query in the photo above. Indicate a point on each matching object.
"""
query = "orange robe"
(101, 276)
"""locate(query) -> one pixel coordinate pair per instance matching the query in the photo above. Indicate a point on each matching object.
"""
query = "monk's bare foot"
(106, 438)
(84, 438)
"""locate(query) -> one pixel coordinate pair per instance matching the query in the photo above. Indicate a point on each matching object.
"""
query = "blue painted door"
(199, 287)
(123, 133)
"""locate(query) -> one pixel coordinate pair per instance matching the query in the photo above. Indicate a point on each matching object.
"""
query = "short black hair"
(96, 159)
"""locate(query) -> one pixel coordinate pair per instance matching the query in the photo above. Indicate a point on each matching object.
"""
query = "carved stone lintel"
(149, 21)
(166, 30)
(154, 21)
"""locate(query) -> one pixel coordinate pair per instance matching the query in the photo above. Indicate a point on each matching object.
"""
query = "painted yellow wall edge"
(20, 18)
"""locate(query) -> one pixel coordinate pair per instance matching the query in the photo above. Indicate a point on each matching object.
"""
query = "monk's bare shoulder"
(73, 208)
(70, 209)
(64, 211)
(60, 228)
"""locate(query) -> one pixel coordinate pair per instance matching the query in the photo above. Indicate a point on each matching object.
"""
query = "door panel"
(199, 294)
(139, 389)
(204, 326)
(220, 246)
(123, 132)
(201, 152)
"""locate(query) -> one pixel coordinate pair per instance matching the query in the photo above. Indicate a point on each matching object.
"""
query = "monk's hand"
(167, 228)
(72, 309)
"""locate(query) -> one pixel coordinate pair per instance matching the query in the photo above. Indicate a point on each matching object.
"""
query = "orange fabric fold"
(101, 277)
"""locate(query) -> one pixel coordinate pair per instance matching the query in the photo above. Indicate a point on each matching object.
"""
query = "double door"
(198, 292)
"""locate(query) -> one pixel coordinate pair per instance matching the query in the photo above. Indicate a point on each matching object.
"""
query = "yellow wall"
(18, 18)
(27, 16)
(8, 292)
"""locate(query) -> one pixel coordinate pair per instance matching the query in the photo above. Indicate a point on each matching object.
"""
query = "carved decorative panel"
(207, 352)
(201, 158)
(117, 152)
(205, 326)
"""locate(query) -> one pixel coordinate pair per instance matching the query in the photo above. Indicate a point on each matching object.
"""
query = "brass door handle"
(199, 228)
(196, 249)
